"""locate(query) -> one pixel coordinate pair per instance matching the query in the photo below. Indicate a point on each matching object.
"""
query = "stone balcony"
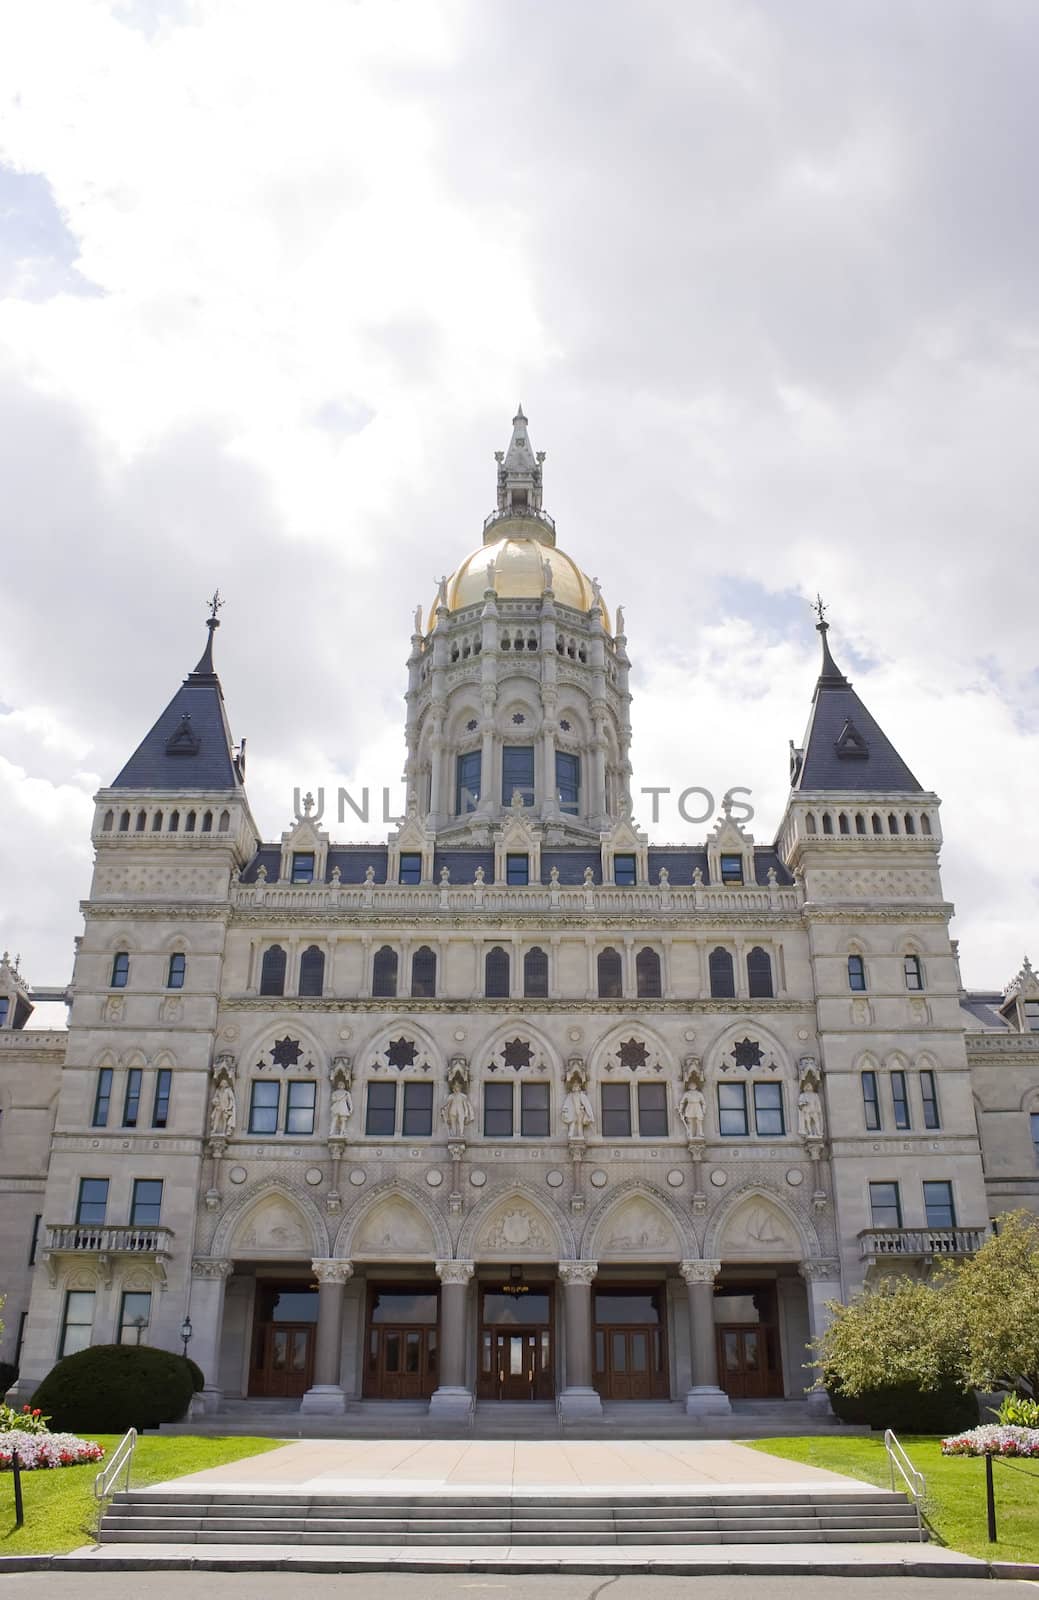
(918, 1244)
(105, 1244)
(498, 899)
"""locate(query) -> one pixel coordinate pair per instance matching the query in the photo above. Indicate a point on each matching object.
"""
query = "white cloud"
(766, 281)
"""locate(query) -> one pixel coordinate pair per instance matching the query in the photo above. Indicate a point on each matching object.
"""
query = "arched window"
(225, 821)
(759, 974)
(723, 978)
(272, 971)
(910, 822)
(611, 985)
(120, 969)
(647, 974)
(827, 822)
(207, 822)
(174, 821)
(107, 825)
(157, 822)
(842, 823)
(423, 974)
(142, 822)
(857, 974)
(124, 822)
(535, 974)
(892, 823)
(312, 971)
(878, 826)
(496, 974)
(384, 974)
(189, 822)
(176, 971)
(810, 823)
(925, 824)
(914, 972)
(860, 822)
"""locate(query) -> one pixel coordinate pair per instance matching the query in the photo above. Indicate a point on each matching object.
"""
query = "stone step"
(897, 1534)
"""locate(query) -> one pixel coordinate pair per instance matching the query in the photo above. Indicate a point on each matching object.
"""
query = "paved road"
(488, 1586)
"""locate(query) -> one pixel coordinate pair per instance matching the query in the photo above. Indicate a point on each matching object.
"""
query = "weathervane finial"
(819, 608)
(214, 605)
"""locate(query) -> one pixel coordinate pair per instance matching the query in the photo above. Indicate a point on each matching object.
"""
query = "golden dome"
(519, 574)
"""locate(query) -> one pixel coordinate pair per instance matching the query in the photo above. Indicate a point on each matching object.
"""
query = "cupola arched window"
(107, 825)
(496, 974)
(723, 978)
(207, 822)
(423, 974)
(312, 971)
(827, 822)
(535, 974)
(272, 970)
(610, 981)
(647, 974)
(759, 974)
(384, 974)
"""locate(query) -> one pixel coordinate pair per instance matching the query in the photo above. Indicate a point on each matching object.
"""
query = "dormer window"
(624, 871)
(732, 869)
(5, 1007)
(302, 866)
(517, 871)
(1031, 1014)
(411, 866)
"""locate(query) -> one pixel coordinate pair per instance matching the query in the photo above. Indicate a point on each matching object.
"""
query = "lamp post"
(186, 1331)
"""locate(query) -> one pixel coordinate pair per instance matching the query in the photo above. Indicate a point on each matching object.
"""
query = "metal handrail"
(121, 1456)
(912, 1477)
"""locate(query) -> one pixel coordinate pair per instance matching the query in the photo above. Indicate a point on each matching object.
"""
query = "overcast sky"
(764, 275)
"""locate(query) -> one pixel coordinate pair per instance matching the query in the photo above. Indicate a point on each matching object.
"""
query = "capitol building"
(516, 1106)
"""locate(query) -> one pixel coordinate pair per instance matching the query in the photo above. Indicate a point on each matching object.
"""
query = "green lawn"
(60, 1509)
(955, 1505)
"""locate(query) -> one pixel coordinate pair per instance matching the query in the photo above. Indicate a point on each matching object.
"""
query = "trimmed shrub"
(198, 1377)
(111, 1387)
(907, 1409)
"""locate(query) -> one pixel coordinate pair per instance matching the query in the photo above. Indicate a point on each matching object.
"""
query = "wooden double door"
(630, 1343)
(516, 1343)
(749, 1362)
(402, 1342)
(281, 1362)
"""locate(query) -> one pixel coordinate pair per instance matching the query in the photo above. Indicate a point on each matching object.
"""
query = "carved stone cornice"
(455, 1271)
(328, 1270)
(460, 1003)
(878, 911)
(700, 1271)
(578, 1272)
(1011, 1044)
(158, 910)
(211, 1267)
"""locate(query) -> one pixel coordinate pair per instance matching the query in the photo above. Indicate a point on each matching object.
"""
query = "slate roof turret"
(190, 745)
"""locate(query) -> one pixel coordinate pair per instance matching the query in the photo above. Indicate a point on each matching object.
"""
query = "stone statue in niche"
(457, 1112)
(809, 1112)
(692, 1108)
(577, 1114)
(341, 1109)
(222, 1110)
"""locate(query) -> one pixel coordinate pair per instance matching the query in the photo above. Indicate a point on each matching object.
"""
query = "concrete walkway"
(450, 1466)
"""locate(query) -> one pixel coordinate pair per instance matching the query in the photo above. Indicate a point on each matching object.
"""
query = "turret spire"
(205, 668)
(831, 673)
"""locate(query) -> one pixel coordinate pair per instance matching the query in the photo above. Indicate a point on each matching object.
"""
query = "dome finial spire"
(519, 484)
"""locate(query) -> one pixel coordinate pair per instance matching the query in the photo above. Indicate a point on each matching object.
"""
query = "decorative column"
(705, 1398)
(823, 1283)
(325, 1397)
(209, 1277)
(579, 1398)
(453, 1400)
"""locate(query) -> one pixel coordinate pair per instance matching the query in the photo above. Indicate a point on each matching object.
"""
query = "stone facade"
(517, 1106)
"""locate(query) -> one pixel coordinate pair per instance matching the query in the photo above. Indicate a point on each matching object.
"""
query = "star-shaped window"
(402, 1053)
(286, 1052)
(633, 1054)
(748, 1053)
(517, 1053)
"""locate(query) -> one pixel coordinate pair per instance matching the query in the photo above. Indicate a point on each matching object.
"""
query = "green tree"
(974, 1324)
